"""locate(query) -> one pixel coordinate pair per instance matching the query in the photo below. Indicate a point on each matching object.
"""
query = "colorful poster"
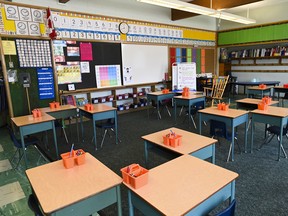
(68, 74)
(45, 83)
(73, 51)
(29, 54)
(108, 75)
(86, 51)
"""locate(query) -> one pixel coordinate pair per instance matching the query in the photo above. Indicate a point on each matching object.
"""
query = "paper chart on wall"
(186, 75)
(107, 75)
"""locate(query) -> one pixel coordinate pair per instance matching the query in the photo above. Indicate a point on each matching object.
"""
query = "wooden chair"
(216, 91)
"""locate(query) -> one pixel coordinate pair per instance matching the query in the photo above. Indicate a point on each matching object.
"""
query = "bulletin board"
(146, 63)
(102, 53)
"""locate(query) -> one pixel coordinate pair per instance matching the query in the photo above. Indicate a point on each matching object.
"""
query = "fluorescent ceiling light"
(184, 6)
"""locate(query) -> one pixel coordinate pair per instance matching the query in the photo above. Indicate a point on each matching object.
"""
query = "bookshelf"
(262, 59)
(120, 97)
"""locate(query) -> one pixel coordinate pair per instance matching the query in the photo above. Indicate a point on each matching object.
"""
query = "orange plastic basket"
(135, 175)
(68, 159)
(79, 157)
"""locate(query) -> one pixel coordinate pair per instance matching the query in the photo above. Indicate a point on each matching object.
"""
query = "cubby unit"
(125, 98)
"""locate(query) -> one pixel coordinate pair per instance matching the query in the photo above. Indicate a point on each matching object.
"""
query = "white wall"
(262, 15)
(129, 9)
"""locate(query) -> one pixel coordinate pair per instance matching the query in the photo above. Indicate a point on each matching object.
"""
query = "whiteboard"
(146, 63)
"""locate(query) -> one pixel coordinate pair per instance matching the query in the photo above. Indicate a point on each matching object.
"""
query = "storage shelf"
(113, 91)
(262, 71)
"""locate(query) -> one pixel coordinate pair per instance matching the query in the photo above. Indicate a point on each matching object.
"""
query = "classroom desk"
(231, 117)
(192, 144)
(183, 186)
(81, 190)
(100, 112)
(277, 116)
(63, 112)
(278, 90)
(187, 101)
(259, 91)
(157, 97)
(249, 83)
(29, 125)
(251, 103)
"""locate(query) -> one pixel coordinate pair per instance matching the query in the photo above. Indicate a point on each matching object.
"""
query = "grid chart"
(108, 75)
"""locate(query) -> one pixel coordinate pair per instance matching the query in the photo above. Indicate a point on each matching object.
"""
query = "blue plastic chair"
(34, 205)
(219, 129)
(194, 110)
(275, 131)
(107, 125)
(28, 141)
(229, 211)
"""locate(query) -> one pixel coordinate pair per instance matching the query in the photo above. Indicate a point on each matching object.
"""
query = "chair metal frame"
(194, 110)
(219, 129)
(29, 141)
(108, 124)
(272, 131)
(215, 93)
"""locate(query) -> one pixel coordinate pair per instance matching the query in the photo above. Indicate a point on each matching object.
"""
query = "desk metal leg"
(119, 207)
(116, 126)
(233, 144)
(82, 128)
(146, 153)
(77, 127)
(213, 153)
(23, 148)
(158, 110)
(55, 139)
(252, 135)
(175, 111)
(281, 139)
(94, 131)
(131, 210)
(247, 123)
(200, 123)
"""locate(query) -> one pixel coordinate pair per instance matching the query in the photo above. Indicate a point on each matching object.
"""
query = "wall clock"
(123, 28)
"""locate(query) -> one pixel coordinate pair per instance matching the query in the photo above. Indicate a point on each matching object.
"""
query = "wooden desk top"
(280, 87)
(29, 119)
(57, 187)
(159, 93)
(99, 108)
(230, 113)
(273, 111)
(176, 187)
(258, 88)
(61, 108)
(254, 101)
(190, 97)
(191, 142)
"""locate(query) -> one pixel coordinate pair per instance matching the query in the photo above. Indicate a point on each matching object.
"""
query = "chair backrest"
(109, 123)
(197, 106)
(229, 211)
(218, 129)
(218, 87)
